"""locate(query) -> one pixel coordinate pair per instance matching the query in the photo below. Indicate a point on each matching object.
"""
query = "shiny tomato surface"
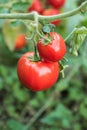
(36, 5)
(56, 3)
(55, 50)
(37, 76)
(52, 11)
(20, 41)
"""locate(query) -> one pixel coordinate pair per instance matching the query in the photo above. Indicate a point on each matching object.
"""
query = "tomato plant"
(52, 11)
(20, 41)
(53, 51)
(36, 6)
(37, 76)
(56, 3)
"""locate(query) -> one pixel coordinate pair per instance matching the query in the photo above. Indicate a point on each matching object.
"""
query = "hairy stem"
(27, 16)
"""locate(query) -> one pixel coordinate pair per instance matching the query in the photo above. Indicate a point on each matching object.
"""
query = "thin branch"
(33, 119)
(27, 16)
(81, 8)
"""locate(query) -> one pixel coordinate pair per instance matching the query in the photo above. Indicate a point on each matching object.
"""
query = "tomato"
(56, 3)
(36, 6)
(20, 41)
(55, 50)
(52, 11)
(37, 76)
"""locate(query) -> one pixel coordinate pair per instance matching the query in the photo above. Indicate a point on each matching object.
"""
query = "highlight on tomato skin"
(37, 76)
(56, 3)
(52, 11)
(36, 5)
(20, 42)
(53, 51)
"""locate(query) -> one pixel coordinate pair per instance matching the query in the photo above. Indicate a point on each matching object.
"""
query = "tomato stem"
(70, 34)
(44, 37)
(36, 57)
(81, 8)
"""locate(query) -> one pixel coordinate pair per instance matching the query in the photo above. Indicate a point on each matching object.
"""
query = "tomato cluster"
(42, 74)
(37, 5)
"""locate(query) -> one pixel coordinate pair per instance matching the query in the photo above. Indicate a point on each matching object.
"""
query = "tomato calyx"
(47, 28)
(46, 38)
(34, 58)
(46, 42)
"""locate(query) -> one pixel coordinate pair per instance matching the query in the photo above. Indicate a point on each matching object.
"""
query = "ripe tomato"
(56, 3)
(36, 6)
(55, 50)
(37, 76)
(20, 42)
(48, 12)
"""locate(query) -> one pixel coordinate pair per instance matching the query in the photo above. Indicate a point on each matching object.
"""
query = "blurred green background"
(22, 109)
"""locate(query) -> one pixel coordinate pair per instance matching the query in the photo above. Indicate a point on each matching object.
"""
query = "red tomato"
(56, 3)
(37, 76)
(55, 50)
(48, 12)
(36, 6)
(20, 41)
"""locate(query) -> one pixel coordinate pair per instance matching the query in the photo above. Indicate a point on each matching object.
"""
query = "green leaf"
(15, 125)
(19, 93)
(10, 32)
(59, 115)
(1, 83)
(20, 6)
(3, 1)
(34, 103)
(3, 10)
(77, 39)
(83, 108)
(16, 23)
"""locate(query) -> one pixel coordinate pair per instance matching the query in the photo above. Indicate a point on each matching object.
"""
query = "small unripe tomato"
(56, 3)
(53, 51)
(52, 11)
(36, 6)
(37, 76)
(20, 42)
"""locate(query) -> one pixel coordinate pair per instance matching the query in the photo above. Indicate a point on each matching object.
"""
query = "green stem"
(44, 37)
(81, 8)
(70, 35)
(35, 51)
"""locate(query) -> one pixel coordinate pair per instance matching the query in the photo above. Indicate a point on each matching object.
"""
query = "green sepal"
(48, 28)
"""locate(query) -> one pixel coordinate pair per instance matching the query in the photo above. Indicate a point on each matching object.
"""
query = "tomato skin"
(56, 3)
(52, 11)
(37, 76)
(36, 6)
(20, 42)
(55, 50)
